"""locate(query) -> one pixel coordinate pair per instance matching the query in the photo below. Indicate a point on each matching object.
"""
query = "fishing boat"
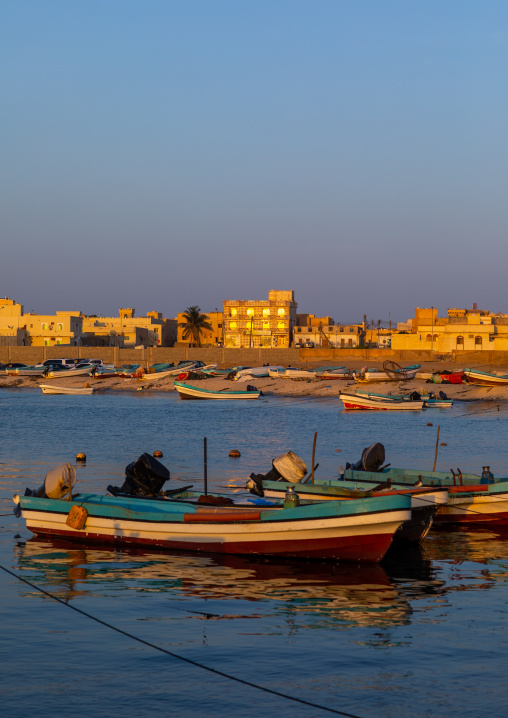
(53, 389)
(63, 372)
(211, 372)
(425, 502)
(292, 373)
(475, 376)
(189, 391)
(381, 402)
(360, 530)
(475, 504)
(180, 368)
(257, 371)
(340, 372)
(431, 401)
(390, 372)
(26, 371)
(127, 370)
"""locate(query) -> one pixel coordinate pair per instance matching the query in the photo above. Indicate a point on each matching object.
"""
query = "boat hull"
(424, 504)
(187, 391)
(467, 507)
(305, 532)
(484, 378)
(50, 389)
(359, 402)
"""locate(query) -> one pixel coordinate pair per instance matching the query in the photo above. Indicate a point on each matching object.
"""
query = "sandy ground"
(284, 387)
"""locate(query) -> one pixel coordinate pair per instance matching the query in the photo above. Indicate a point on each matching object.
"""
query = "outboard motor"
(287, 467)
(372, 459)
(144, 477)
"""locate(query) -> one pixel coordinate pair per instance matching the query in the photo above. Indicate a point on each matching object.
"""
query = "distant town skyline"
(165, 154)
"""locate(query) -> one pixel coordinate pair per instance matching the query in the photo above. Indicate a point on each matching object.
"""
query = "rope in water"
(175, 655)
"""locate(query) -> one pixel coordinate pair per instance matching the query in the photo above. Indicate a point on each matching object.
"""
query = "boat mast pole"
(206, 468)
(313, 456)
(437, 445)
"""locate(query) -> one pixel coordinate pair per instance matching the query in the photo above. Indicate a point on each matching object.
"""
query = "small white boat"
(366, 400)
(257, 371)
(188, 391)
(60, 373)
(396, 374)
(292, 373)
(52, 389)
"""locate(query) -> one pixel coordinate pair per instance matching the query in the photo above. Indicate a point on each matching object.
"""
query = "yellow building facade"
(461, 330)
(260, 322)
(64, 327)
(128, 330)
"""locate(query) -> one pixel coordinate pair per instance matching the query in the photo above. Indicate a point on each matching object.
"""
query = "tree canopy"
(194, 324)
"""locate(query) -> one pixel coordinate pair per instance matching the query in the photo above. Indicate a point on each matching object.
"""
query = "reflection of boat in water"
(359, 595)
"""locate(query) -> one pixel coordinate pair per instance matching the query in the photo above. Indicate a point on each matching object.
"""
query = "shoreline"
(286, 388)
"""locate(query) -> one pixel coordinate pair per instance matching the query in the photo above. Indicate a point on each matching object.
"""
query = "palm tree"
(194, 324)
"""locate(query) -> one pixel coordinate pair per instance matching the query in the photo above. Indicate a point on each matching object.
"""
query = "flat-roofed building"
(260, 322)
(128, 330)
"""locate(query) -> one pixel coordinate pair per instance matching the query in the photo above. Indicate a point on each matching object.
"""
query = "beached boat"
(291, 373)
(53, 389)
(381, 402)
(189, 391)
(395, 373)
(340, 372)
(180, 368)
(257, 371)
(360, 530)
(475, 376)
(26, 371)
(61, 373)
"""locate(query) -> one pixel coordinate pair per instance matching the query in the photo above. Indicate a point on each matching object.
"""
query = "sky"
(159, 154)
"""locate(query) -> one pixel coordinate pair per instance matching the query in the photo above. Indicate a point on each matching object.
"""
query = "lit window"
(281, 311)
(248, 323)
(280, 325)
(233, 312)
(266, 325)
(232, 325)
(44, 326)
(266, 312)
(60, 327)
(250, 312)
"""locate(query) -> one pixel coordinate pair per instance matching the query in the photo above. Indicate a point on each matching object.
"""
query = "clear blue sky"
(158, 154)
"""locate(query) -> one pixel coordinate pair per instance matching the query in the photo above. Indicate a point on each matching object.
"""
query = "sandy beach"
(282, 387)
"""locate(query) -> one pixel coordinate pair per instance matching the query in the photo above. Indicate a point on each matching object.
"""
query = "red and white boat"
(380, 402)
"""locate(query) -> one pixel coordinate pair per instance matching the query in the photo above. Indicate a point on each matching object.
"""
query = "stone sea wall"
(247, 357)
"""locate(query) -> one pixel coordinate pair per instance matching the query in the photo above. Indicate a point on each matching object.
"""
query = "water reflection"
(350, 594)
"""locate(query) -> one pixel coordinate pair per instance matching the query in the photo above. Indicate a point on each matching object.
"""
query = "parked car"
(309, 345)
(97, 362)
(298, 345)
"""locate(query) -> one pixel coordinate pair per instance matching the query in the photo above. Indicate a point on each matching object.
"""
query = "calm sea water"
(422, 634)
